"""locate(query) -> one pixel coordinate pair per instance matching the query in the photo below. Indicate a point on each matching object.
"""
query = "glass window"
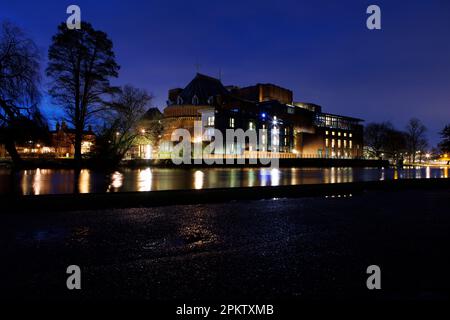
(326, 142)
(332, 143)
(251, 125)
(333, 133)
(339, 143)
(350, 135)
(231, 122)
(211, 121)
(350, 144)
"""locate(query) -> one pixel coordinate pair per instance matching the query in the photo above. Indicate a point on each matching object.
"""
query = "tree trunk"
(77, 145)
(12, 151)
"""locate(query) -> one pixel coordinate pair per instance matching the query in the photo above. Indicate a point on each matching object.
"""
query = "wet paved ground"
(310, 248)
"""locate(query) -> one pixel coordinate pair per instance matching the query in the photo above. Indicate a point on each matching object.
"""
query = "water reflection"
(50, 181)
(251, 178)
(84, 182)
(144, 180)
(37, 182)
(263, 176)
(198, 179)
(275, 177)
(116, 181)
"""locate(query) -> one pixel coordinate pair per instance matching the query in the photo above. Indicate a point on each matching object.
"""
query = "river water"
(57, 181)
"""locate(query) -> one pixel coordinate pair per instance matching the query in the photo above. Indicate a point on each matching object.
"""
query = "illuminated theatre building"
(293, 129)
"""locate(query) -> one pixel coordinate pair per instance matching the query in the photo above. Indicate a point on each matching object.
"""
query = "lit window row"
(333, 133)
(340, 143)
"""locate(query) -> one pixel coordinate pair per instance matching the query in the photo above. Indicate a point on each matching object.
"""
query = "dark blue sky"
(320, 49)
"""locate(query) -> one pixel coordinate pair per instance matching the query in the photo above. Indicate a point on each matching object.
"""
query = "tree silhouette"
(415, 137)
(122, 128)
(20, 118)
(444, 145)
(81, 64)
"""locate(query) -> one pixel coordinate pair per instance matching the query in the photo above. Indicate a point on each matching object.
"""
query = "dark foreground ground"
(294, 249)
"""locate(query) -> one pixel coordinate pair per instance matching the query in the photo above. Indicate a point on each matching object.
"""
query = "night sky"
(320, 49)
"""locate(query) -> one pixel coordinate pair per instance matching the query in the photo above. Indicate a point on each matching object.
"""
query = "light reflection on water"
(54, 181)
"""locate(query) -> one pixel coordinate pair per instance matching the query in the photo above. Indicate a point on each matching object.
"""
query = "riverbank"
(90, 201)
(267, 251)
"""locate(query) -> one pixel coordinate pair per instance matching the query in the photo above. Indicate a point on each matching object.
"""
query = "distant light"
(142, 131)
(263, 115)
(275, 120)
(427, 155)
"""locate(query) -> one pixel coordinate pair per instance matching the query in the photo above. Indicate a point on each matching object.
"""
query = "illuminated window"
(251, 125)
(350, 135)
(333, 133)
(231, 122)
(350, 144)
(332, 143)
(339, 143)
(345, 134)
(339, 134)
(326, 142)
(326, 132)
(211, 121)
(345, 143)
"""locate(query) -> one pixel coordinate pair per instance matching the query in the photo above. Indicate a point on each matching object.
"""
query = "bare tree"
(19, 88)
(376, 136)
(444, 145)
(81, 63)
(415, 137)
(122, 127)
